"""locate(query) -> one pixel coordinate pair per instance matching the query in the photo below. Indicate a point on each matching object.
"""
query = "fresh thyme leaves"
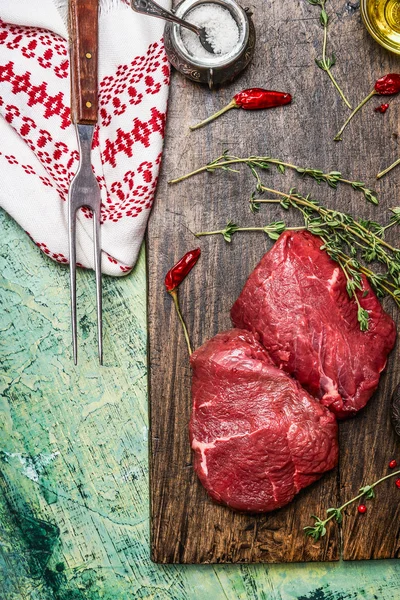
(353, 283)
(368, 491)
(318, 529)
(272, 230)
(353, 244)
(395, 218)
(228, 231)
(226, 162)
(326, 63)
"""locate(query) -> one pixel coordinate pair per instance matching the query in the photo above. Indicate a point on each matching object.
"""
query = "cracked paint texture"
(73, 456)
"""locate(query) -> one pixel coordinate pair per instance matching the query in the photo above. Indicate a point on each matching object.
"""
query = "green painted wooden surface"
(73, 457)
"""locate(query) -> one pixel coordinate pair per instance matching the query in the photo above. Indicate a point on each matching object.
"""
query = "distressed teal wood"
(73, 457)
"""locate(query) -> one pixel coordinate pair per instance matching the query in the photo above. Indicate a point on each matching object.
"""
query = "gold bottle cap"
(382, 20)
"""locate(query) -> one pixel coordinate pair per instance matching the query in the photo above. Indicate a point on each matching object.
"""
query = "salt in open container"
(230, 31)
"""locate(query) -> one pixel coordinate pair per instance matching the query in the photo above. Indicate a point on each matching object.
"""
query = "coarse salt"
(221, 28)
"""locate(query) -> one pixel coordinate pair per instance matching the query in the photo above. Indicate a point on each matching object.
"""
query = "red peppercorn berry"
(382, 108)
(393, 464)
(362, 509)
(398, 483)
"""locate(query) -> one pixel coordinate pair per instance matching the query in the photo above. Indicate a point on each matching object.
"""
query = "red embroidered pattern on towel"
(37, 108)
(115, 93)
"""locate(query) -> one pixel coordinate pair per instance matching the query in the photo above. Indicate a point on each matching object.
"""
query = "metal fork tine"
(84, 191)
(97, 266)
(72, 272)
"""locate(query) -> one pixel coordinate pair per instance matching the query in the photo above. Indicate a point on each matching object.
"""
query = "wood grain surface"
(187, 527)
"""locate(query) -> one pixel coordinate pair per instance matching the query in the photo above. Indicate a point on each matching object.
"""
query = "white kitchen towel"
(38, 146)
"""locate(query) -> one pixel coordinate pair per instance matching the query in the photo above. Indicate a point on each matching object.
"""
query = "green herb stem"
(318, 530)
(263, 229)
(226, 161)
(385, 171)
(370, 274)
(223, 110)
(343, 238)
(338, 136)
(210, 167)
(327, 213)
(363, 317)
(325, 63)
(175, 298)
(350, 242)
(369, 239)
(328, 69)
(273, 230)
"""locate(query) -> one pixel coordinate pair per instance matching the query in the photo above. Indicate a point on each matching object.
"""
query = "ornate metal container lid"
(215, 69)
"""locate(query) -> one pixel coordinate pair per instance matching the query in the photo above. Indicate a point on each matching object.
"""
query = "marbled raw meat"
(257, 435)
(296, 300)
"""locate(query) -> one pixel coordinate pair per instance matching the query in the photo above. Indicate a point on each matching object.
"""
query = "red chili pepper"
(385, 86)
(257, 98)
(174, 278)
(177, 274)
(251, 99)
(382, 108)
(388, 85)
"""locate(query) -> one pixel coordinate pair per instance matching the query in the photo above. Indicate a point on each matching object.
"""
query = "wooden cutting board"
(186, 526)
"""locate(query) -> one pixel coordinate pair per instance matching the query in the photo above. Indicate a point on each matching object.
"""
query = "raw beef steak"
(296, 301)
(258, 437)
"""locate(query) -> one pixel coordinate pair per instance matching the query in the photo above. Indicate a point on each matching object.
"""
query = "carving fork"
(84, 189)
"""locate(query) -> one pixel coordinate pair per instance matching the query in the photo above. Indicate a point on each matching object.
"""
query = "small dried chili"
(251, 99)
(257, 98)
(177, 274)
(382, 108)
(385, 86)
(174, 278)
(388, 85)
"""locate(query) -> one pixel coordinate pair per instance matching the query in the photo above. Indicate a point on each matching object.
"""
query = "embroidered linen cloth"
(38, 148)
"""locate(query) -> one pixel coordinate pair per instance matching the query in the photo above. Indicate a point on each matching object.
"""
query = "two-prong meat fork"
(84, 189)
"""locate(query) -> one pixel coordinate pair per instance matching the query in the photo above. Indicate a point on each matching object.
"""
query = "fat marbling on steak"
(296, 300)
(258, 436)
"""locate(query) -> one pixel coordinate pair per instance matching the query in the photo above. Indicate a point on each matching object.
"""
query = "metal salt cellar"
(216, 69)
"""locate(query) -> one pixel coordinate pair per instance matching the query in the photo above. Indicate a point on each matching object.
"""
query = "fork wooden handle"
(83, 38)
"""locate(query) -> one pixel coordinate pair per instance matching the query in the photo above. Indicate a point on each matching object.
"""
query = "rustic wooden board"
(186, 526)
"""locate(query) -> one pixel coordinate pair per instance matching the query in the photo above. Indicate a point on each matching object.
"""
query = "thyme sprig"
(318, 529)
(272, 230)
(353, 244)
(326, 63)
(226, 161)
(369, 232)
